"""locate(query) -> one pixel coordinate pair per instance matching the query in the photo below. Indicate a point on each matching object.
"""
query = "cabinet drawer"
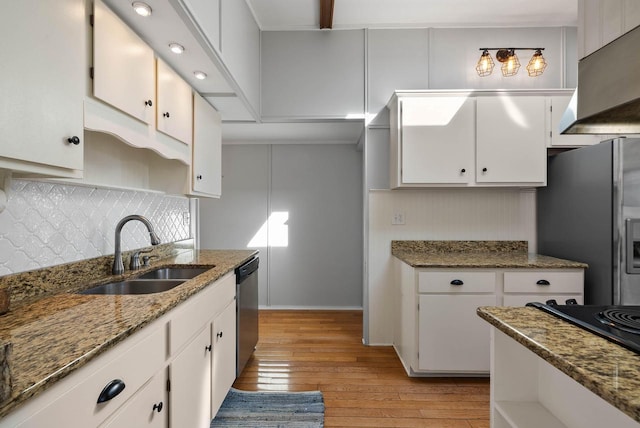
(456, 282)
(542, 281)
(134, 366)
(204, 306)
(522, 299)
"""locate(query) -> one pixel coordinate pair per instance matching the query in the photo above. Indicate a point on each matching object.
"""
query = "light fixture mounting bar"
(515, 49)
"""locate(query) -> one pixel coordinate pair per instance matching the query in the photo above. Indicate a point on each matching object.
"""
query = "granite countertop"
(50, 335)
(608, 370)
(475, 254)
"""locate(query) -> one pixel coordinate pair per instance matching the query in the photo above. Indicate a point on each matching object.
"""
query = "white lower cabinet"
(524, 286)
(75, 402)
(148, 409)
(451, 337)
(436, 329)
(224, 355)
(174, 372)
(191, 384)
(204, 369)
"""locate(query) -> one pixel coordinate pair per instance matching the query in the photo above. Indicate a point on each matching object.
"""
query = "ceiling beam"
(326, 14)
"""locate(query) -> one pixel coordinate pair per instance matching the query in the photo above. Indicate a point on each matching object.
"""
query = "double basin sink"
(155, 281)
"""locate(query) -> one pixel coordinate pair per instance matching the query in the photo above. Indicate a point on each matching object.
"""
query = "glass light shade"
(176, 48)
(536, 65)
(511, 65)
(485, 64)
(141, 8)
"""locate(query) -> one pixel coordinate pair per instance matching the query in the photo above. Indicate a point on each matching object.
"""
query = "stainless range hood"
(607, 100)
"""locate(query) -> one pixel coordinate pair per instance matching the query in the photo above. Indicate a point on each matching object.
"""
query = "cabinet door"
(42, 82)
(511, 144)
(207, 153)
(190, 391)
(438, 138)
(224, 355)
(175, 105)
(124, 68)
(558, 106)
(148, 408)
(452, 338)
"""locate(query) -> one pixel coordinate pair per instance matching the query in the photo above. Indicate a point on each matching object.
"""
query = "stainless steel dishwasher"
(246, 312)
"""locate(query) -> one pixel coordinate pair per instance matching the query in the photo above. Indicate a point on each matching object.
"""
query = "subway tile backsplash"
(47, 223)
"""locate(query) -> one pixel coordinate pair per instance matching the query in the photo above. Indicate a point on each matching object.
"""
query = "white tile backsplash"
(46, 223)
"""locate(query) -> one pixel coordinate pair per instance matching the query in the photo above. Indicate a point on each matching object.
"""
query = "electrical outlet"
(186, 218)
(398, 218)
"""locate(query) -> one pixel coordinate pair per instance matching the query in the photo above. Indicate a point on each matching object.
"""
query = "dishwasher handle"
(244, 271)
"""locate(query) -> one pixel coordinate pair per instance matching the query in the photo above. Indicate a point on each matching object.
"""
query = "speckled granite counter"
(52, 334)
(475, 254)
(608, 370)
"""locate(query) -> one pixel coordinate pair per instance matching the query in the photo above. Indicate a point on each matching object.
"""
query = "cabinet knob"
(148, 103)
(111, 390)
(208, 348)
(199, 176)
(165, 114)
(457, 282)
(484, 170)
(219, 335)
(158, 407)
(462, 171)
(73, 140)
(543, 282)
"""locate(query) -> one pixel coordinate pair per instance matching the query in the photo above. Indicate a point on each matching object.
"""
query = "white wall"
(319, 187)
(46, 224)
(436, 214)
(233, 220)
(445, 58)
(313, 74)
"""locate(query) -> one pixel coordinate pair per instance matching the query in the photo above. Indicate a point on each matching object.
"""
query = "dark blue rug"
(271, 409)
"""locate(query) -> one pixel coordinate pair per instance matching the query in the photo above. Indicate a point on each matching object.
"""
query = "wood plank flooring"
(363, 386)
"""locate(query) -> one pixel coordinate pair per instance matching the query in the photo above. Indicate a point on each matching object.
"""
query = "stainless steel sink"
(135, 286)
(174, 273)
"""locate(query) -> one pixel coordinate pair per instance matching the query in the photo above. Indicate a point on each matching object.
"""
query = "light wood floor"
(363, 386)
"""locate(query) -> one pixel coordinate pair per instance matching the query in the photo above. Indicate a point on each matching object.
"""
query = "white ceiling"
(167, 26)
(305, 14)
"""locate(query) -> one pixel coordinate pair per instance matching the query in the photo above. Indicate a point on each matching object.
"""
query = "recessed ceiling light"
(176, 48)
(201, 75)
(141, 8)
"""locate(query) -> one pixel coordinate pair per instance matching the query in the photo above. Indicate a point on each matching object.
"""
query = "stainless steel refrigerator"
(590, 212)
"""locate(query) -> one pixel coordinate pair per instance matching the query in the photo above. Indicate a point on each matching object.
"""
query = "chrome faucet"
(118, 266)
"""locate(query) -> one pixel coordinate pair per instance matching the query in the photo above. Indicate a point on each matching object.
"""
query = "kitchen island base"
(528, 392)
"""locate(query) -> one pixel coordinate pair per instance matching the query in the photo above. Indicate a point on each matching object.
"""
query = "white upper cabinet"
(511, 139)
(602, 21)
(206, 170)
(457, 138)
(175, 104)
(42, 83)
(124, 67)
(437, 139)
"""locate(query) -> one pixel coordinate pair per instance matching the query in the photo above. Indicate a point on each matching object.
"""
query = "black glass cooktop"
(619, 324)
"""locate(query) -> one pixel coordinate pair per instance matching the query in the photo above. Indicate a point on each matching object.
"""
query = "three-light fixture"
(510, 62)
